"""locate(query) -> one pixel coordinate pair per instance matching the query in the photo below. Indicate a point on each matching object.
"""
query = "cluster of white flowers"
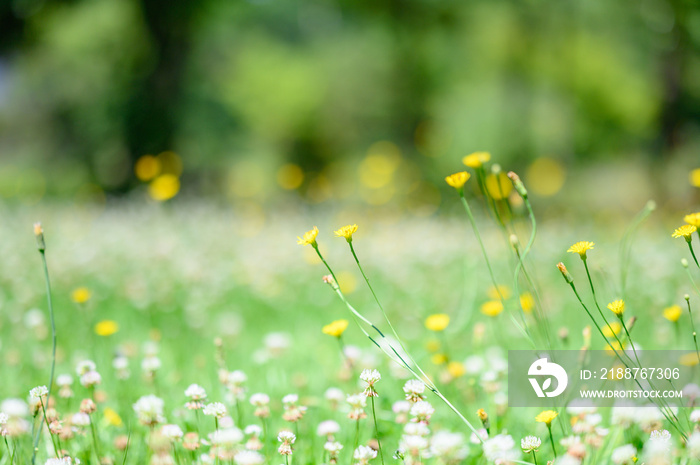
(364, 454)
(292, 411)
(149, 410)
(196, 395)
(370, 377)
(215, 409)
(287, 438)
(357, 402)
(530, 444)
(500, 447)
(414, 390)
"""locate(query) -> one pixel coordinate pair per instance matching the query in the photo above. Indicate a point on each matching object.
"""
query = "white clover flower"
(370, 376)
(226, 436)
(357, 401)
(172, 432)
(500, 447)
(253, 430)
(333, 447)
(3, 418)
(64, 380)
(422, 411)
(327, 427)
(195, 392)
(624, 455)
(401, 406)
(416, 429)
(80, 419)
(530, 443)
(695, 416)
(151, 364)
(259, 399)
(286, 437)
(249, 457)
(215, 409)
(15, 408)
(90, 379)
(334, 394)
(85, 366)
(691, 391)
(450, 447)
(290, 399)
(660, 435)
(474, 365)
(413, 445)
(414, 390)
(364, 454)
(237, 377)
(120, 363)
(693, 445)
(277, 343)
(38, 392)
(149, 410)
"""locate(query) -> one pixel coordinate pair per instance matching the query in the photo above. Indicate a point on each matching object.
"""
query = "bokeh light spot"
(347, 282)
(164, 187)
(290, 176)
(147, 167)
(545, 176)
(695, 177)
(498, 186)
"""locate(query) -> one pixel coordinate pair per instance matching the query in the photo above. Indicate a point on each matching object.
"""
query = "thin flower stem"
(376, 431)
(595, 300)
(95, 443)
(53, 344)
(692, 252)
(46, 421)
(357, 437)
(10, 451)
(692, 326)
(534, 457)
(481, 244)
(424, 378)
(551, 439)
(629, 338)
(625, 243)
(573, 287)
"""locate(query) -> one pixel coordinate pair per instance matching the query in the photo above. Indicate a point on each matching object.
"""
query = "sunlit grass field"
(162, 297)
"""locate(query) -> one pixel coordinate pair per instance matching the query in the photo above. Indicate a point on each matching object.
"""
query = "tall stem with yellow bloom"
(686, 232)
(41, 246)
(570, 280)
(522, 191)
(547, 417)
(310, 239)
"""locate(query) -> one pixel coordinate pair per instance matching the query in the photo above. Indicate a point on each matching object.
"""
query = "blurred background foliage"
(263, 102)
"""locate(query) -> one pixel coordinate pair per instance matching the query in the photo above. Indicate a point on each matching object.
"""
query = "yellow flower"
(458, 180)
(456, 369)
(437, 322)
(106, 328)
(527, 302)
(309, 238)
(336, 328)
(496, 293)
(112, 417)
(492, 308)
(438, 359)
(346, 232)
(164, 187)
(692, 219)
(581, 248)
(547, 417)
(673, 313)
(685, 231)
(617, 307)
(80, 295)
(476, 159)
(483, 416)
(612, 330)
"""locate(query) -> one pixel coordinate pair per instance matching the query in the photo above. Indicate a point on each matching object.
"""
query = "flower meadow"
(200, 335)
